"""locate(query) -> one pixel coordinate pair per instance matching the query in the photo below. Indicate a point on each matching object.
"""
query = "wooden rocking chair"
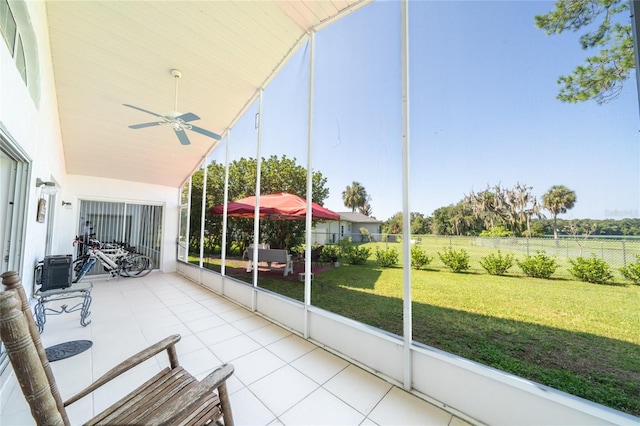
(172, 397)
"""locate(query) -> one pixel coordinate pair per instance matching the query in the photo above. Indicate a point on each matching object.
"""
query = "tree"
(601, 77)
(278, 174)
(456, 219)
(420, 225)
(558, 199)
(512, 208)
(354, 196)
(366, 208)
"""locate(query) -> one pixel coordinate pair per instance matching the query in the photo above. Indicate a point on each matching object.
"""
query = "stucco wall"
(33, 127)
(79, 187)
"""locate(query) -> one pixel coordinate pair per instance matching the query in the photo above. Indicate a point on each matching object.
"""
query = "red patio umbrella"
(282, 206)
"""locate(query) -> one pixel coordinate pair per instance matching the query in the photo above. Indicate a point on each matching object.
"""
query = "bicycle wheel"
(136, 265)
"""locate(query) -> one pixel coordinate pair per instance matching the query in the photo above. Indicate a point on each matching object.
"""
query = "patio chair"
(172, 396)
(315, 255)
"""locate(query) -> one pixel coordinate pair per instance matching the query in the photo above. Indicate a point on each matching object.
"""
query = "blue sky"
(483, 111)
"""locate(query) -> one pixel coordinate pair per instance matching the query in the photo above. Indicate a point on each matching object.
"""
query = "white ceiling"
(109, 53)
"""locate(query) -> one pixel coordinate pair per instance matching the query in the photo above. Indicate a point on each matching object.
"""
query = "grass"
(577, 337)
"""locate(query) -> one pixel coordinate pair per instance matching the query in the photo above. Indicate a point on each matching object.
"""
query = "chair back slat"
(13, 285)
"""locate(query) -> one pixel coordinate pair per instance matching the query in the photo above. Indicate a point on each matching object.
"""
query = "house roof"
(356, 217)
(106, 54)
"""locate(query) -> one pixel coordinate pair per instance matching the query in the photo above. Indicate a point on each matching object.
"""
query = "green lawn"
(577, 337)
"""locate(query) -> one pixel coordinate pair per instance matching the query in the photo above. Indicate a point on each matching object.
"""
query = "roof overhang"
(106, 54)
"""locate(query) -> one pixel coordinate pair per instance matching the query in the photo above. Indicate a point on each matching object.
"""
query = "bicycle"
(118, 259)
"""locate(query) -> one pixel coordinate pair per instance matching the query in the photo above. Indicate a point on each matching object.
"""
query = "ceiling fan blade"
(189, 116)
(143, 110)
(143, 125)
(182, 135)
(205, 132)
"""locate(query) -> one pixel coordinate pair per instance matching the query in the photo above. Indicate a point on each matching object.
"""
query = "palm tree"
(366, 209)
(558, 199)
(354, 196)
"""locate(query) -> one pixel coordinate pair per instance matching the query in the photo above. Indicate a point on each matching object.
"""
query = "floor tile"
(73, 374)
(232, 315)
(291, 347)
(358, 388)
(249, 410)
(249, 323)
(196, 313)
(218, 334)
(322, 408)
(401, 408)
(256, 365)
(224, 308)
(235, 347)
(154, 334)
(205, 323)
(268, 334)
(320, 365)
(283, 388)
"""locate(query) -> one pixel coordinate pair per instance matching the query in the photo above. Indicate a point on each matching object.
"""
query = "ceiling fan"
(179, 122)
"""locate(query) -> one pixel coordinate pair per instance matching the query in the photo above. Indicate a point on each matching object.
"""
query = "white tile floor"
(279, 377)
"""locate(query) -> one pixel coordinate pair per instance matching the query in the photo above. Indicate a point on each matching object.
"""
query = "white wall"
(79, 187)
(35, 128)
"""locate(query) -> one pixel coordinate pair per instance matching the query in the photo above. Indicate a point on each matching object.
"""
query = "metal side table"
(81, 290)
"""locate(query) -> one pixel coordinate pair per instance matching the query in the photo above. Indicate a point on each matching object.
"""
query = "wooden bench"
(245, 254)
(171, 397)
(272, 256)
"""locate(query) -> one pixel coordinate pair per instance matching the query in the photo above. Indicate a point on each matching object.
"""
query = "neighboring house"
(349, 225)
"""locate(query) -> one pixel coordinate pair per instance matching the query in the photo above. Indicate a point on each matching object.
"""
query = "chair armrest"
(188, 401)
(167, 344)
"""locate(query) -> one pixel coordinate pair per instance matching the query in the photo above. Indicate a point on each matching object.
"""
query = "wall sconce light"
(47, 187)
(66, 205)
(40, 182)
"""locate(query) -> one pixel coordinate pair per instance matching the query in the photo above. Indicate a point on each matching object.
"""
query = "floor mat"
(67, 349)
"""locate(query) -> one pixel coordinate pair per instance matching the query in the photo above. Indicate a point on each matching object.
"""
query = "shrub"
(496, 231)
(419, 258)
(632, 271)
(345, 245)
(297, 250)
(457, 261)
(365, 235)
(539, 266)
(497, 264)
(387, 257)
(329, 253)
(358, 255)
(592, 270)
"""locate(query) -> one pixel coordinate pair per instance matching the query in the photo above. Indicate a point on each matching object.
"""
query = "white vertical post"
(203, 206)
(406, 220)
(307, 252)
(223, 251)
(188, 230)
(256, 217)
